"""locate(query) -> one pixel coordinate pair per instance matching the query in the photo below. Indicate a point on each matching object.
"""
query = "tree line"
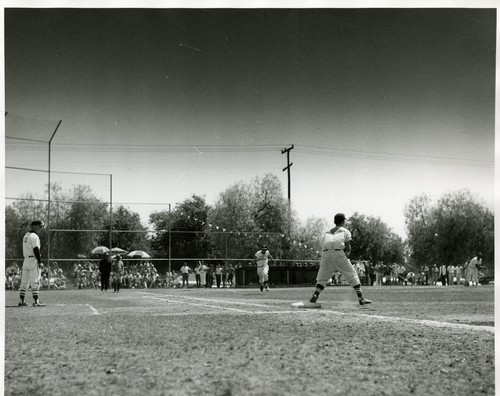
(245, 216)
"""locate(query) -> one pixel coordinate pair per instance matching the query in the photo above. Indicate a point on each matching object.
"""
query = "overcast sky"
(381, 105)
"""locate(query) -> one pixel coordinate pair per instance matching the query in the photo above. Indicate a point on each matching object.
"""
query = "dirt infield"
(412, 340)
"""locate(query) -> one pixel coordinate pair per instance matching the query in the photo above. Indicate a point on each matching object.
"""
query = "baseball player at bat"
(32, 265)
(262, 258)
(336, 249)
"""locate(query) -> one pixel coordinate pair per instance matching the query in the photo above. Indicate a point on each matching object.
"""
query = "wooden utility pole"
(287, 168)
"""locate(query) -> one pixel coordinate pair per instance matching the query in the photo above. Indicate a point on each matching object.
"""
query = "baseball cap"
(37, 223)
(339, 218)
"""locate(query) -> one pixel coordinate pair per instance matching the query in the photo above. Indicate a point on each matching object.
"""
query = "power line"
(303, 149)
(386, 156)
(152, 148)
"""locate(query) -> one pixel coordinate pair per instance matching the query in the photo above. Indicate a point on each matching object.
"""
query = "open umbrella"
(99, 250)
(117, 250)
(138, 254)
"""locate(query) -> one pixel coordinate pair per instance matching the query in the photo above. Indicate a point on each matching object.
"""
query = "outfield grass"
(411, 340)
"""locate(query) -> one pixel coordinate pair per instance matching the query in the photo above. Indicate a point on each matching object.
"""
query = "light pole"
(110, 211)
(169, 239)
(48, 209)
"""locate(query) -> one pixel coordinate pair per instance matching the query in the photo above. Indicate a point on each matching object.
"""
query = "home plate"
(306, 304)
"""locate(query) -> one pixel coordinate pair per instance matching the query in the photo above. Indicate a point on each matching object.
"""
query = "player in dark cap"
(336, 250)
(32, 265)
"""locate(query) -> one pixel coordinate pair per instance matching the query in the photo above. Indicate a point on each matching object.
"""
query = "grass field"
(411, 340)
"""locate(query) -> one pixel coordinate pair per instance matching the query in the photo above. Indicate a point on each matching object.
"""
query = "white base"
(306, 304)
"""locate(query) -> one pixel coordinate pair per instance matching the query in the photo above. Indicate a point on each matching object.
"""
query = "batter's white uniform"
(334, 258)
(262, 266)
(31, 272)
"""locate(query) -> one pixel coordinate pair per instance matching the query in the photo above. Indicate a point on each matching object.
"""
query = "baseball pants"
(30, 276)
(263, 273)
(473, 275)
(332, 261)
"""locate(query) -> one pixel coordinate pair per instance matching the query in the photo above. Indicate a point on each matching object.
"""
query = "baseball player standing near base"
(262, 258)
(32, 265)
(336, 249)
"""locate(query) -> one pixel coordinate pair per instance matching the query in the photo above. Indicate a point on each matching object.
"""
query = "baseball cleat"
(22, 304)
(267, 288)
(364, 301)
(38, 304)
(314, 298)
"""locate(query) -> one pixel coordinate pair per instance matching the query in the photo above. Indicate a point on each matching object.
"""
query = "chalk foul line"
(210, 300)
(425, 322)
(94, 311)
(196, 304)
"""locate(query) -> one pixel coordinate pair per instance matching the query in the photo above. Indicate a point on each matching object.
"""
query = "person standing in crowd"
(169, 279)
(435, 274)
(230, 275)
(336, 250)
(197, 274)
(361, 270)
(224, 275)
(402, 274)
(105, 270)
(474, 264)
(394, 273)
(262, 258)
(210, 275)
(117, 273)
(203, 274)
(458, 274)
(372, 273)
(451, 274)
(425, 271)
(379, 272)
(466, 271)
(32, 265)
(218, 275)
(387, 274)
(185, 275)
(442, 274)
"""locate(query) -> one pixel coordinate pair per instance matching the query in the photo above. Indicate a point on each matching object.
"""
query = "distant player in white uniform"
(262, 258)
(336, 249)
(32, 265)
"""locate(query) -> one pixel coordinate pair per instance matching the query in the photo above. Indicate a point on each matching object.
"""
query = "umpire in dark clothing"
(105, 270)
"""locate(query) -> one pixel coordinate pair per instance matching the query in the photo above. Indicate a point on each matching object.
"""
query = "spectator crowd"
(381, 274)
(211, 275)
(143, 275)
(53, 279)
